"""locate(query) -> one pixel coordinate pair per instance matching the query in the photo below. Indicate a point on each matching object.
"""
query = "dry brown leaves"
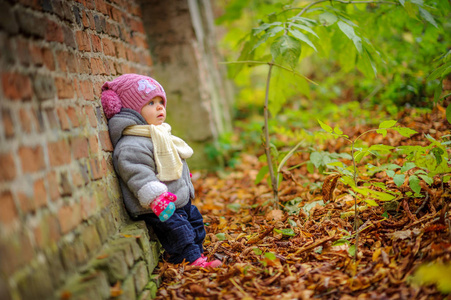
(268, 254)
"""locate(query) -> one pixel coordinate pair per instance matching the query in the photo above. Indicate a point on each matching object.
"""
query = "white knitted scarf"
(168, 149)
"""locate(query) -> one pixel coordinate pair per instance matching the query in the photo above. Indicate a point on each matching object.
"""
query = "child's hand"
(163, 206)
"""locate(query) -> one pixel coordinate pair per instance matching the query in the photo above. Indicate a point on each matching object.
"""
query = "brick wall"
(59, 199)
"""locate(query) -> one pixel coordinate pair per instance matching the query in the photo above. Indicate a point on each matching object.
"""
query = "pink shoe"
(202, 262)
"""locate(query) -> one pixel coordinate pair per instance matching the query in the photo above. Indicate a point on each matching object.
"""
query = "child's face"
(154, 112)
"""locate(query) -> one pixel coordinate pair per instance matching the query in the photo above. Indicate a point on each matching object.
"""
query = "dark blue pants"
(181, 235)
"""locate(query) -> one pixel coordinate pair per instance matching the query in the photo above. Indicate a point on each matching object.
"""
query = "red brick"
(96, 43)
(72, 63)
(97, 66)
(25, 121)
(63, 119)
(84, 44)
(77, 178)
(8, 213)
(64, 87)
(105, 141)
(120, 49)
(72, 113)
(79, 147)
(54, 32)
(91, 116)
(98, 88)
(101, 6)
(23, 51)
(8, 125)
(87, 90)
(93, 144)
(40, 193)
(114, 13)
(32, 159)
(85, 65)
(36, 55)
(59, 153)
(97, 168)
(26, 202)
(108, 47)
(49, 60)
(53, 186)
(148, 60)
(85, 19)
(62, 58)
(7, 167)
(16, 86)
(69, 217)
(136, 26)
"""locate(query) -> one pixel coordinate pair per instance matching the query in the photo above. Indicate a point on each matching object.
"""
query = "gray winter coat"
(133, 161)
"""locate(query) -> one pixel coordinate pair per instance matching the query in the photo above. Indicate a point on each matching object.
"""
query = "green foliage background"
(367, 57)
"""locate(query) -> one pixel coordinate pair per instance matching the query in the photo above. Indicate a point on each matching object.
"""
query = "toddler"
(153, 174)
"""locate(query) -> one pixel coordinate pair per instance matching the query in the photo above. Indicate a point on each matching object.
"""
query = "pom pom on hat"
(111, 103)
(130, 91)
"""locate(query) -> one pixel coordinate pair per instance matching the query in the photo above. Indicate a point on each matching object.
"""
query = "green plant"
(328, 28)
(349, 175)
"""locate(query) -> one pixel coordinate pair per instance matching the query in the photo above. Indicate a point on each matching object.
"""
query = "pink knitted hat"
(129, 91)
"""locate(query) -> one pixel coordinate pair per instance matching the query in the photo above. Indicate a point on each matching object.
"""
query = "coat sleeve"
(136, 167)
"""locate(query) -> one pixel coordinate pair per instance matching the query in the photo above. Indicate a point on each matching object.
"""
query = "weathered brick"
(7, 167)
(72, 114)
(53, 184)
(59, 153)
(5, 293)
(100, 23)
(88, 206)
(93, 144)
(36, 284)
(101, 6)
(47, 231)
(91, 239)
(87, 90)
(44, 87)
(48, 59)
(16, 86)
(69, 37)
(97, 66)
(8, 124)
(15, 251)
(25, 120)
(85, 65)
(64, 88)
(40, 193)
(65, 184)
(91, 116)
(79, 147)
(84, 44)
(23, 51)
(105, 141)
(69, 216)
(128, 289)
(108, 47)
(27, 203)
(120, 50)
(95, 169)
(32, 159)
(8, 213)
(85, 18)
(30, 24)
(140, 276)
(7, 20)
(96, 43)
(63, 118)
(54, 32)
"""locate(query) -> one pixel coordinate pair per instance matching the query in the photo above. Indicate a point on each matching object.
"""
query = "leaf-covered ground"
(270, 254)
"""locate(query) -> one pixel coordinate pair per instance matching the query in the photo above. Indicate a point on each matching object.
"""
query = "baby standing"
(153, 174)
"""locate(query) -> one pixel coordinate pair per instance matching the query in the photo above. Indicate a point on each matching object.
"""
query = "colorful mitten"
(163, 206)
